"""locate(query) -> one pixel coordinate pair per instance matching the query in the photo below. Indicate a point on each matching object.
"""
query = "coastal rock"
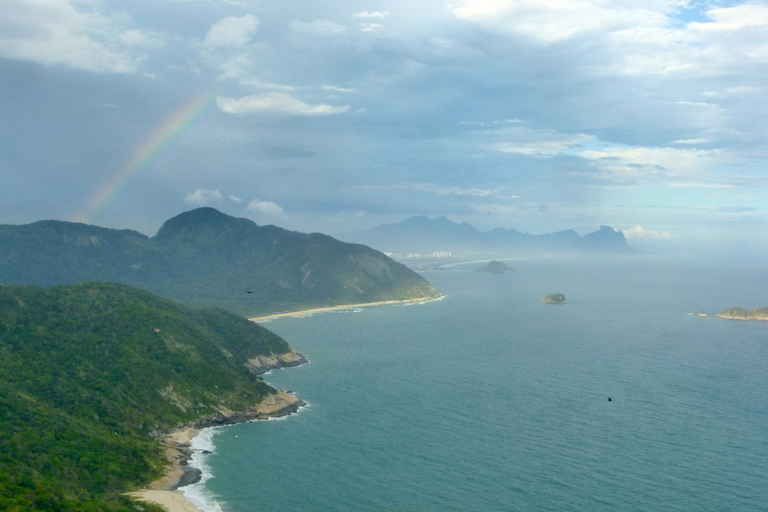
(554, 298)
(760, 314)
(177, 443)
(263, 364)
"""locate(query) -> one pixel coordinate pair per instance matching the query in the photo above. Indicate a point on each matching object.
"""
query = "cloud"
(276, 102)
(203, 196)
(265, 208)
(336, 89)
(639, 232)
(317, 28)
(543, 147)
(450, 191)
(367, 15)
(56, 32)
(674, 160)
(232, 32)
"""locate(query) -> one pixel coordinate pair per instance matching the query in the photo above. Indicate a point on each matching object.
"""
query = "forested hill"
(89, 373)
(204, 257)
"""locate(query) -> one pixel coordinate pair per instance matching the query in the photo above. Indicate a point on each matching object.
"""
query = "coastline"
(178, 450)
(265, 318)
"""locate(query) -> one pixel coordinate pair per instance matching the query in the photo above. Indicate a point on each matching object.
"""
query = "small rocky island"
(744, 314)
(495, 267)
(554, 298)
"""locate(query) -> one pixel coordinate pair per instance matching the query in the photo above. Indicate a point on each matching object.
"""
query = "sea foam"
(198, 494)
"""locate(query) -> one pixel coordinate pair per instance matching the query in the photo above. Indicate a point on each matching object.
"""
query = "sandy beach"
(301, 312)
(163, 492)
(178, 451)
(173, 501)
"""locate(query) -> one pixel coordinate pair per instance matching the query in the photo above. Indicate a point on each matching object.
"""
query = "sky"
(539, 115)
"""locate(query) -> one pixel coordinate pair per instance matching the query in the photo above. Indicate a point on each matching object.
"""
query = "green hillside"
(206, 258)
(90, 374)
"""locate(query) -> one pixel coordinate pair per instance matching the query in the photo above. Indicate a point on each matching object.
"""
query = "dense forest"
(91, 374)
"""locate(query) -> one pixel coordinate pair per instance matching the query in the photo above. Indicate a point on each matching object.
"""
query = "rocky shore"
(263, 364)
(178, 448)
(744, 314)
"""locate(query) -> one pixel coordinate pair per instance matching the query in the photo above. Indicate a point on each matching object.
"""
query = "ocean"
(622, 399)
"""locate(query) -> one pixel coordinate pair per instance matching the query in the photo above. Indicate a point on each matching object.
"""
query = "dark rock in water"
(190, 476)
(495, 267)
(609, 399)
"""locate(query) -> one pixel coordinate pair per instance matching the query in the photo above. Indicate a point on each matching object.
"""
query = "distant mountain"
(495, 267)
(204, 257)
(91, 374)
(423, 235)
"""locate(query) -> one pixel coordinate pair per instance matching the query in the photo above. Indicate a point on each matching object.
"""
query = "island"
(760, 314)
(554, 298)
(495, 267)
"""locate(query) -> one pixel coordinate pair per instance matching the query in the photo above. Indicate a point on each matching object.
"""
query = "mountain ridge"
(204, 257)
(420, 234)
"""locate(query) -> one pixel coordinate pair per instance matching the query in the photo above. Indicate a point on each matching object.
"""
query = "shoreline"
(178, 451)
(301, 312)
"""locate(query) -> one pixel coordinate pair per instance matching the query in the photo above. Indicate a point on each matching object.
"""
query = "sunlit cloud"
(276, 102)
(639, 232)
(232, 32)
(202, 197)
(265, 208)
(63, 32)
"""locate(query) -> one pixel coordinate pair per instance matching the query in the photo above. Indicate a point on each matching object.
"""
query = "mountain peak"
(200, 219)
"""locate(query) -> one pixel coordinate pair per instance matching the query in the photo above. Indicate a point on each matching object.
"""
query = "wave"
(198, 494)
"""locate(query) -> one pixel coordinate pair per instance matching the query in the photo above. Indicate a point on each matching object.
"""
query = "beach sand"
(178, 451)
(173, 501)
(264, 318)
(163, 491)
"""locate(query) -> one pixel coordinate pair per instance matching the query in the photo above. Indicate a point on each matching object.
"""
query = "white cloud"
(265, 208)
(236, 199)
(550, 21)
(367, 15)
(232, 32)
(547, 147)
(736, 17)
(450, 191)
(681, 161)
(336, 89)
(317, 28)
(639, 232)
(692, 142)
(203, 196)
(276, 102)
(64, 32)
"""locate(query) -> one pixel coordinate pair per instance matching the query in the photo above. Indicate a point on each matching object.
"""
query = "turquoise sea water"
(491, 401)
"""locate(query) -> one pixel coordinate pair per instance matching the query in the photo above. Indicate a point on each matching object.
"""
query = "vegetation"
(744, 314)
(91, 374)
(555, 298)
(206, 258)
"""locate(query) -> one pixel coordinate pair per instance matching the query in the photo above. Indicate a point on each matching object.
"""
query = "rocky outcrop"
(555, 298)
(177, 443)
(263, 364)
(744, 314)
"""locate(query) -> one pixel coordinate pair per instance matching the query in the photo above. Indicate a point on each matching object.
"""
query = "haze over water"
(491, 401)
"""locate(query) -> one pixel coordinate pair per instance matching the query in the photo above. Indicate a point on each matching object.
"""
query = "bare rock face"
(263, 364)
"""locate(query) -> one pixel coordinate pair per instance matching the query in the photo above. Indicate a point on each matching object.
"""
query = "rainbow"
(170, 130)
